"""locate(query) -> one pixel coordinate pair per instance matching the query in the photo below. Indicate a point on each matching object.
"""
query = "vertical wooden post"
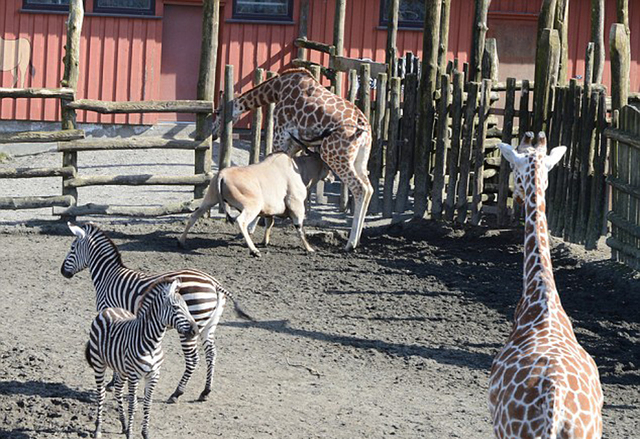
(441, 150)
(561, 24)
(490, 62)
(546, 74)
(365, 90)
(268, 124)
(391, 156)
(557, 177)
(392, 38)
(303, 28)
(524, 116)
(206, 85)
(507, 137)
(597, 37)
(479, 34)
(465, 151)
(454, 151)
(408, 140)
(256, 123)
(443, 43)
(545, 21)
(478, 165)
(427, 106)
(622, 11)
(375, 161)
(572, 194)
(226, 137)
(338, 41)
(594, 227)
(70, 79)
(620, 66)
(586, 154)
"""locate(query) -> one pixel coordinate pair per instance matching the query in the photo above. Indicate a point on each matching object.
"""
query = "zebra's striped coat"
(120, 287)
(131, 345)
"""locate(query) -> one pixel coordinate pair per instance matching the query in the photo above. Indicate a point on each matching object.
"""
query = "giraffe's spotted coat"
(543, 384)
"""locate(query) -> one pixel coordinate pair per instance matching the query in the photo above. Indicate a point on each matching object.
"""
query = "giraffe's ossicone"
(543, 384)
(306, 113)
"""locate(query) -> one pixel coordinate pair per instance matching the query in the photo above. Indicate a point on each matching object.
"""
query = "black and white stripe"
(131, 345)
(120, 287)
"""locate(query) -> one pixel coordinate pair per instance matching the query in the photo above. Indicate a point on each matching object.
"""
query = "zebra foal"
(131, 345)
(120, 287)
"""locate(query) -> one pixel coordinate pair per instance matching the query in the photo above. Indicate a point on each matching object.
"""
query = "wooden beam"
(226, 137)
(15, 203)
(561, 24)
(597, 37)
(256, 123)
(303, 28)
(343, 64)
(303, 43)
(110, 107)
(391, 156)
(392, 38)
(113, 143)
(546, 70)
(620, 66)
(67, 171)
(138, 180)
(135, 211)
(443, 39)
(63, 92)
(479, 34)
(338, 41)
(41, 136)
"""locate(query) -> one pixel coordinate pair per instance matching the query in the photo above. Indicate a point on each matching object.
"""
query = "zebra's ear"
(78, 231)
(175, 286)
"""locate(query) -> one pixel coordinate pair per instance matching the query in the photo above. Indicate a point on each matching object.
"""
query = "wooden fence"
(625, 184)
(72, 140)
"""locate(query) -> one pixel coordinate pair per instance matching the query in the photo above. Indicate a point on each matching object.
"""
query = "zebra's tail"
(236, 306)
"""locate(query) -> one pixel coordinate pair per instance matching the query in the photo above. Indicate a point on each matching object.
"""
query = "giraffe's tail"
(554, 407)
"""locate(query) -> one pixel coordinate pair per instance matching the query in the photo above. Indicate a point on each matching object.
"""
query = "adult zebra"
(120, 287)
(131, 345)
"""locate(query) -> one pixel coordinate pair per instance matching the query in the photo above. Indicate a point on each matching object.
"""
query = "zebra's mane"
(146, 298)
(96, 232)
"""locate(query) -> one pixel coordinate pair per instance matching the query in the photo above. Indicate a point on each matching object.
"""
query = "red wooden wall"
(121, 56)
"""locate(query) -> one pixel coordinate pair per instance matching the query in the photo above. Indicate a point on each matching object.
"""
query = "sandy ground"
(394, 340)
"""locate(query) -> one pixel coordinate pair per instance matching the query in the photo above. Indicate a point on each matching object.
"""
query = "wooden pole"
(427, 106)
(597, 202)
(620, 66)
(391, 156)
(454, 151)
(507, 137)
(269, 124)
(364, 99)
(465, 152)
(379, 133)
(597, 37)
(303, 27)
(490, 62)
(545, 21)
(479, 34)
(226, 137)
(443, 42)
(408, 140)
(622, 10)
(546, 74)
(441, 150)
(256, 123)
(338, 41)
(206, 85)
(392, 39)
(70, 80)
(561, 24)
(478, 165)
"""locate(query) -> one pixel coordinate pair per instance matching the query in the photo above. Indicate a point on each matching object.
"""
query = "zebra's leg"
(210, 353)
(191, 359)
(150, 384)
(119, 389)
(99, 372)
(133, 403)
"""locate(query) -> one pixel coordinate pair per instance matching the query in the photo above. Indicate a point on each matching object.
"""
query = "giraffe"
(543, 384)
(308, 114)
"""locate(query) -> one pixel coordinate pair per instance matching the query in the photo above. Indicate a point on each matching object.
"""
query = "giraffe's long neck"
(540, 296)
(262, 94)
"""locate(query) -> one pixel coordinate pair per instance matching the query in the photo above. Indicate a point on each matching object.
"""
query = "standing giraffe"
(307, 113)
(543, 384)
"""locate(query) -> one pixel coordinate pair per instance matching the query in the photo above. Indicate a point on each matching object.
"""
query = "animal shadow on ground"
(456, 357)
(43, 389)
(602, 298)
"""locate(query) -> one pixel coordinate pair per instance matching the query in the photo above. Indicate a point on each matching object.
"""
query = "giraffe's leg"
(268, 225)
(119, 388)
(99, 372)
(361, 168)
(150, 383)
(210, 199)
(133, 403)
(191, 359)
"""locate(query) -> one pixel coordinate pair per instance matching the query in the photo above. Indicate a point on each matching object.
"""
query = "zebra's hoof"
(97, 434)
(174, 397)
(204, 395)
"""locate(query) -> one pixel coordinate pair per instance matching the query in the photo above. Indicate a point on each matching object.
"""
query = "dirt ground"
(394, 340)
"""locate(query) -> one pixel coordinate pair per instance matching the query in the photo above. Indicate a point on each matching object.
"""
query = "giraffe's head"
(530, 162)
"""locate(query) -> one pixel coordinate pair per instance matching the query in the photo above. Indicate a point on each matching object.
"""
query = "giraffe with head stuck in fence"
(306, 113)
(543, 384)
